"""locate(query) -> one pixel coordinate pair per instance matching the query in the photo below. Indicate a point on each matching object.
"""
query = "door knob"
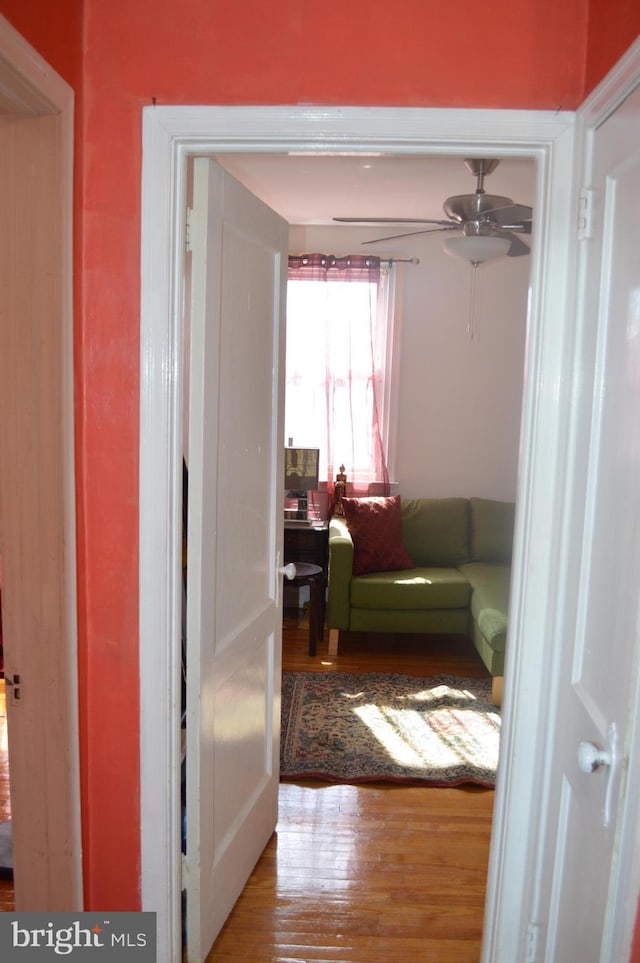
(591, 758)
(289, 570)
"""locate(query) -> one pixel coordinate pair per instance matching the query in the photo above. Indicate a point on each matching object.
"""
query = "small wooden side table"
(304, 543)
(314, 577)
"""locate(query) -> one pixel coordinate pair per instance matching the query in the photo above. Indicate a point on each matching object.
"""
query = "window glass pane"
(335, 359)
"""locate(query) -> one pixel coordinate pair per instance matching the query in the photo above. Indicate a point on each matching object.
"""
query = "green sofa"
(462, 552)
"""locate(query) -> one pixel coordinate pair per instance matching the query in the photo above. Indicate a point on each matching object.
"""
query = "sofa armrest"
(340, 572)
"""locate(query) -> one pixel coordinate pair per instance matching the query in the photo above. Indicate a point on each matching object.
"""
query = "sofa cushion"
(489, 600)
(435, 530)
(491, 525)
(417, 588)
(375, 527)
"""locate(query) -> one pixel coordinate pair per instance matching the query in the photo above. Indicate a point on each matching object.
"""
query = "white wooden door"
(234, 618)
(37, 501)
(598, 683)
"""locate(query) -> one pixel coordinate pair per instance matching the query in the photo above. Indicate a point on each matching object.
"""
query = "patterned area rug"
(343, 727)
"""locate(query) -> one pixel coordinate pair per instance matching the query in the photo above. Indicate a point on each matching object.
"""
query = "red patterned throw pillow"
(376, 530)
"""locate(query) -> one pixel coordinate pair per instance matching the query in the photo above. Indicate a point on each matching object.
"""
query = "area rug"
(349, 728)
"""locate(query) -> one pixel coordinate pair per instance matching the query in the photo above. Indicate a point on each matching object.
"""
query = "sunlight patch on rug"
(345, 727)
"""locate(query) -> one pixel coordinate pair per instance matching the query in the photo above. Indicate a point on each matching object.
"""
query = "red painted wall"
(54, 29)
(635, 949)
(428, 52)
(612, 29)
(530, 54)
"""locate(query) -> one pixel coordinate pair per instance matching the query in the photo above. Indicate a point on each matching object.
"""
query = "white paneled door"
(234, 619)
(590, 744)
(37, 492)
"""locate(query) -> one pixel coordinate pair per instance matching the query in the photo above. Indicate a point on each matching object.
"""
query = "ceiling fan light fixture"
(477, 248)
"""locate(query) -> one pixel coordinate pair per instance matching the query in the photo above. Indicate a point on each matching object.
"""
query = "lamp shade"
(477, 248)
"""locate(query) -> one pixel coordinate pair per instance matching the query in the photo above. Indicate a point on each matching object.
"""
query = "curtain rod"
(389, 261)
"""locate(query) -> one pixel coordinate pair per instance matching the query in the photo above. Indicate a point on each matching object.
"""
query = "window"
(338, 377)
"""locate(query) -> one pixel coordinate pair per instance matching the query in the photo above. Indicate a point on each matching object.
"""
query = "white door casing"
(591, 816)
(37, 494)
(170, 135)
(234, 607)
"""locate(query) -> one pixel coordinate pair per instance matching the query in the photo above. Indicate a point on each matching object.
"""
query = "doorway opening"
(169, 139)
(444, 321)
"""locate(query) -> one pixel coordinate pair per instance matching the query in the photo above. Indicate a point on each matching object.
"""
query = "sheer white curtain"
(335, 367)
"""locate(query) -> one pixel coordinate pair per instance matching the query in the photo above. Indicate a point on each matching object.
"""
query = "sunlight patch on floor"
(438, 740)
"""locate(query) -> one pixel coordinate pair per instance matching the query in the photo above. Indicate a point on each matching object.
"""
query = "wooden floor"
(360, 874)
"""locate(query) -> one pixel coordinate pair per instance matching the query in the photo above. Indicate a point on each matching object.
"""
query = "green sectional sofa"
(461, 549)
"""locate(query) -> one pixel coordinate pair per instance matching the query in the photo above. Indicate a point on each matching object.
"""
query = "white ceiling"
(312, 189)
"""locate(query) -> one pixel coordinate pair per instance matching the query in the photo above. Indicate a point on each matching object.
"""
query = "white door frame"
(170, 134)
(41, 628)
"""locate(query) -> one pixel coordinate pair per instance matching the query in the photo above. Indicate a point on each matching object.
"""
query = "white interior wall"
(459, 398)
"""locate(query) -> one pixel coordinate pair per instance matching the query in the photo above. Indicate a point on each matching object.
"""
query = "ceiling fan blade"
(429, 230)
(513, 214)
(524, 227)
(390, 220)
(518, 247)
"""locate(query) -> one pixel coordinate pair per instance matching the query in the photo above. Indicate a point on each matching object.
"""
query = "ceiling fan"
(480, 216)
